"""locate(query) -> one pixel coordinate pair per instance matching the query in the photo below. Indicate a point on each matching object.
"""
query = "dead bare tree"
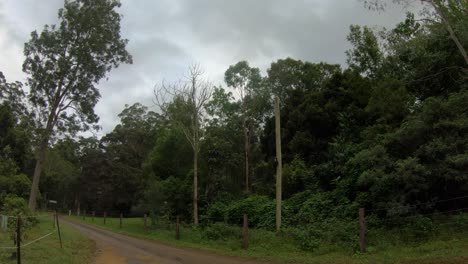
(192, 92)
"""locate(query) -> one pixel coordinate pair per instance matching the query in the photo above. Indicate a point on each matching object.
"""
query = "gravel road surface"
(113, 248)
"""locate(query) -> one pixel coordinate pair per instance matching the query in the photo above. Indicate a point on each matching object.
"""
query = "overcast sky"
(168, 35)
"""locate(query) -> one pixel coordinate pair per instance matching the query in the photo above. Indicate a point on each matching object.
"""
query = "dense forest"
(388, 131)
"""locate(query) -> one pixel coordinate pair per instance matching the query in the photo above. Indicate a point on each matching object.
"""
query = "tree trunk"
(247, 155)
(41, 155)
(450, 30)
(195, 187)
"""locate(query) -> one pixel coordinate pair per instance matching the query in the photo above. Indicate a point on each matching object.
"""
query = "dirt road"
(119, 249)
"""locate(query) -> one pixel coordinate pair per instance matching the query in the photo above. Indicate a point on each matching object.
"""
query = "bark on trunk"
(195, 187)
(37, 174)
(247, 155)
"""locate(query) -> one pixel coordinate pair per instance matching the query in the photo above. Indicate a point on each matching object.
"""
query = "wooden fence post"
(145, 222)
(245, 243)
(18, 240)
(105, 214)
(178, 228)
(362, 231)
(120, 225)
(58, 228)
(92, 218)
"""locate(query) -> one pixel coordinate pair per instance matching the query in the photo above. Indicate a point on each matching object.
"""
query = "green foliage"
(259, 209)
(14, 206)
(422, 227)
(366, 56)
(177, 194)
(308, 239)
(16, 184)
(332, 231)
(221, 231)
(316, 207)
(67, 60)
(217, 212)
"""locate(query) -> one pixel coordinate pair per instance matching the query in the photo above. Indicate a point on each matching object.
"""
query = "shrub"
(340, 231)
(260, 210)
(421, 227)
(216, 212)
(221, 231)
(307, 239)
(317, 207)
(331, 231)
(17, 206)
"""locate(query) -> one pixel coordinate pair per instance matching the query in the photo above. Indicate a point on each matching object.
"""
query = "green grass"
(77, 249)
(449, 246)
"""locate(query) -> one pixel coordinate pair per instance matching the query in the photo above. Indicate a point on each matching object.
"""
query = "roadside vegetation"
(419, 241)
(77, 249)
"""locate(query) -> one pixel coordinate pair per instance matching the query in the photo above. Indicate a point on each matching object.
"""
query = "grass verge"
(77, 249)
(451, 247)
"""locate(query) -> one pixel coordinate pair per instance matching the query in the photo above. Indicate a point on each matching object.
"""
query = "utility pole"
(279, 164)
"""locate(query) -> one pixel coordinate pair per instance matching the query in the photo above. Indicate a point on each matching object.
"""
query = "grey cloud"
(313, 30)
(168, 35)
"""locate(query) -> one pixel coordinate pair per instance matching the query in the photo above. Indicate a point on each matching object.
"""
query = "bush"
(14, 205)
(341, 232)
(331, 231)
(260, 210)
(316, 208)
(221, 231)
(17, 206)
(18, 185)
(216, 212)
(308, 207)
(307, 239)
(421, 227)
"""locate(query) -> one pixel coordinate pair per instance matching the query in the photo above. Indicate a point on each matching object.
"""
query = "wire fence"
(19, 232)
(412, 225)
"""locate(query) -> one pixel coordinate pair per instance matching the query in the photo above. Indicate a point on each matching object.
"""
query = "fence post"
(145, 222)
(245, 243)
(120, 225)
(92, 218)
(84, 215)
(362, 231)
(178, 228)
(18, 240)
(58, 228)
(105, 213)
